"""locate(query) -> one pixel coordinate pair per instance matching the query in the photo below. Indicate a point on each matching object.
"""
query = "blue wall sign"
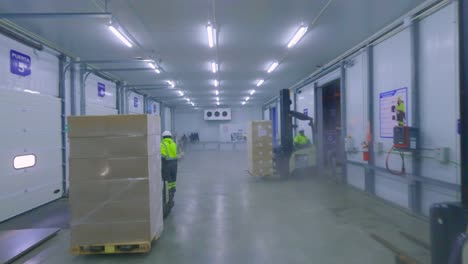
(154, 109)
(306, 112)
(20, 64)
(101, 89)
(135, 102)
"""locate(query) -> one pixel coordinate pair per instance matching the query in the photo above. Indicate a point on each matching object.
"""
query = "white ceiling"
(252, 33)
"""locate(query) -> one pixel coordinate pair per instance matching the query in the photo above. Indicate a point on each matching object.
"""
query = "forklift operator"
(301, 141)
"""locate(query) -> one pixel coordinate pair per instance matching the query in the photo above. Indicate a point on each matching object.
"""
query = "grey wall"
(188, 120)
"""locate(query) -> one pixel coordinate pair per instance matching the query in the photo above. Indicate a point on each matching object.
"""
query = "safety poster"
(393, 111)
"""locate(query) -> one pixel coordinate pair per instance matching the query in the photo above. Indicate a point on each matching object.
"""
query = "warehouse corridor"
(223, 215)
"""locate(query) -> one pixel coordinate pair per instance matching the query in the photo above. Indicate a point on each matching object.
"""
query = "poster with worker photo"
(393, 105)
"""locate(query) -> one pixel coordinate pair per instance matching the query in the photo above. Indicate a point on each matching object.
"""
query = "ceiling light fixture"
(247, 98)
(217, 98)
(152, 65)
(211, 31)
(217, 103)
(260, 82)
(120, 36)
(187, 99)
(216, 83)
(252, 92)
(181, 93)
(272, 67)
(243, 103)
(192, 103)
(217, 92)
(214, 67)
(297, 36)
(171, 83)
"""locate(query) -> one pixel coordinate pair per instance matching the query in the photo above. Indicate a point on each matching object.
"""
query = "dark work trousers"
(169, 174)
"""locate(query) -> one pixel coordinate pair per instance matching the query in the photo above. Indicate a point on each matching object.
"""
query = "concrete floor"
(223, 215)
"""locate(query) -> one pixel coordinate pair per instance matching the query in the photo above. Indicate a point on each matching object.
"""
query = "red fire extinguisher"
(365, 151)
(365, 144)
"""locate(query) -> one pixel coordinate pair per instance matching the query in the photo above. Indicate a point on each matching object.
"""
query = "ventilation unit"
(218, 114)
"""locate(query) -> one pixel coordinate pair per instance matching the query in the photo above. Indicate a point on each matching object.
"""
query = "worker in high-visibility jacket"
(169, 165)
(301, 141)
(400, 112)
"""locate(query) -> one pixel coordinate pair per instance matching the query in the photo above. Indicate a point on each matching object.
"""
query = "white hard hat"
(167, 134)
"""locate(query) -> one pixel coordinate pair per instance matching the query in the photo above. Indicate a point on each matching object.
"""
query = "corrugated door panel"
(94, 109)
(30, 125)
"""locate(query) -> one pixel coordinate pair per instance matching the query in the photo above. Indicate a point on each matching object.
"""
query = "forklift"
(290, 161)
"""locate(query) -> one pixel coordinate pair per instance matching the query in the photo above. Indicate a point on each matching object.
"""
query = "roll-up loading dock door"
(30, 144)
(100, 96)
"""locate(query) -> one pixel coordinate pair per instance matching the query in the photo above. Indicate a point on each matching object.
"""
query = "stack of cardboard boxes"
(115, 179)
(260, 148)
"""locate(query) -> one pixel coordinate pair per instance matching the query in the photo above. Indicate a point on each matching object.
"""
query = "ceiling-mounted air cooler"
(218, 114)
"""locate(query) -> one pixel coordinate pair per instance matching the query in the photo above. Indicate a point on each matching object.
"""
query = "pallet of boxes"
(115, 183)
(260, 148)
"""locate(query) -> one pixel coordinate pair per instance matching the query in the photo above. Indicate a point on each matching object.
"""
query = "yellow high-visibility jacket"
(168, 149)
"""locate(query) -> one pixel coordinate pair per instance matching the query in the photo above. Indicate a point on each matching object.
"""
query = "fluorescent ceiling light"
(211, 31)
(214, 67)
(297, 36)
(243, 103)
(31, 91)
(181, 93)
(217, 98)
(217, 103)
(171, 83)
(217, 92)
(252, 92)
(216, 83)
(120, 36)
(187, 99)
(247, 98)
(273, 66)
(153, 66)
(260, 82)
(192, 103)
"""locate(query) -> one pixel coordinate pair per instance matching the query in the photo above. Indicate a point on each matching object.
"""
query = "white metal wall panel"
(35, 129)
(187, 122)
(167, 118)
(439, 91)
(439, 101)
(266, 114)
(305, 103)
(392, 70)
(356, 104)
(355, 176)
(391, 189)
(135, 103)
(100, 104)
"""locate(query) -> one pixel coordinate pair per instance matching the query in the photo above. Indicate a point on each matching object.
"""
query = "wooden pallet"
(113, 248)
(121, 248)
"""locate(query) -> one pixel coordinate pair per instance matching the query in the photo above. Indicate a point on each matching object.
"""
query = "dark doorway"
(331, 124)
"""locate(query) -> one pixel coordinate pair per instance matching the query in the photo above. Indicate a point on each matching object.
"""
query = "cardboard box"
(114, 147)
(114, 125)
(115, 180)
(260, 148)
(113, 168)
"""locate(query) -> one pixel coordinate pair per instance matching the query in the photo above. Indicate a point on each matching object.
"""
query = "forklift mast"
(286, 148)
